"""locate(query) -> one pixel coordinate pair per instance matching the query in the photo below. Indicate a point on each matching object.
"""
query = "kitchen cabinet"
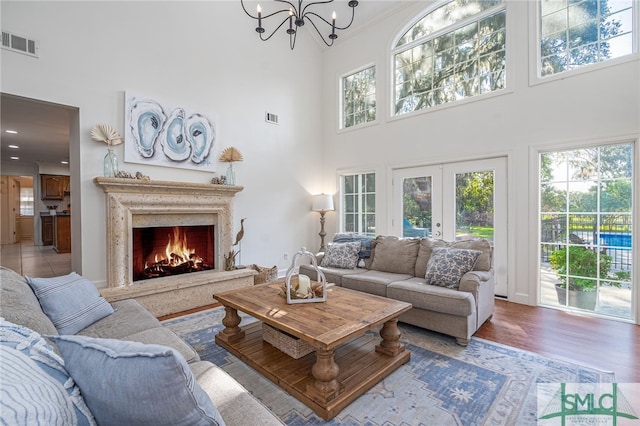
(51, 187)
(66, 185)
(62, 233)
(47, 230)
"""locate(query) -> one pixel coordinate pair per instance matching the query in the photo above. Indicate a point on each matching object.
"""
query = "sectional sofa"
(450, 284)
(124, 368)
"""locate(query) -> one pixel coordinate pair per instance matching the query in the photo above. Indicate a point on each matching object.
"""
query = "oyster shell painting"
(167, 135)
(174, 144)
(199, 133)
(146, 122)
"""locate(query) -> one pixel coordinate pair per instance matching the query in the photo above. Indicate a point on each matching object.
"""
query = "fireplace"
(161, 251)
(139, 212)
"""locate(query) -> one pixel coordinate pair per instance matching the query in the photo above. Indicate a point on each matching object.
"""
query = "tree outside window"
(454, 52)
(359, 97)
(574, 34)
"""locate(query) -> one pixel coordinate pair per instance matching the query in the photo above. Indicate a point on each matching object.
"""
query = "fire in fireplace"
(164, 251)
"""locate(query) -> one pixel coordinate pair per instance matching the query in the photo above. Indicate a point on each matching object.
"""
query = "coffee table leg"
(231, 321)
(390, 334)
(325, 370)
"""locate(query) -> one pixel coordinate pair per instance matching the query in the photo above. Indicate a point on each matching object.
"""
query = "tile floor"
(34, 261)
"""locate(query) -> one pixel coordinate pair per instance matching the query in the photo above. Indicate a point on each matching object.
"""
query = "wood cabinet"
(66, 185)
(52, 187)
(47, 230)
(62, 233)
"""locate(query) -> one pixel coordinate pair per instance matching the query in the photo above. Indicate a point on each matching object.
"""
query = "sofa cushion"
(145, 384)
(40, 388)
(364, 240)
(372, 282)
(130, 317)
(426, 245)
(332, 275)
(71, 301)
(341, 255)
(397, 255)
(431, 297)
(20, 305)
(447, 266)
(236, 405)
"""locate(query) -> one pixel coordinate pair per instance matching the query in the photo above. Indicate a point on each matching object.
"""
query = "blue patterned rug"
(443, 384)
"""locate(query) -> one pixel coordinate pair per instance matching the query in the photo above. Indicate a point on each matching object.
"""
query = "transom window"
(359, 97)
(578, 33)
(455, 51)
(358, 193)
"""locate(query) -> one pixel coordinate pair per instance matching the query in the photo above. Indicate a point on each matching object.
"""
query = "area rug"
(443, 384)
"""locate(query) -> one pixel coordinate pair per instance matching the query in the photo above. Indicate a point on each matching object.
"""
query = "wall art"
(162, 134)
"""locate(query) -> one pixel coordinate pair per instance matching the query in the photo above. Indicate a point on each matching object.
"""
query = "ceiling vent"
(19, 44)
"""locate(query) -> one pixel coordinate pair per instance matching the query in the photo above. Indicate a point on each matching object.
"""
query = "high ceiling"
(43, 128)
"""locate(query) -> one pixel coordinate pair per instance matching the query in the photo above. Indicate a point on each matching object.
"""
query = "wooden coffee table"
(346, 362)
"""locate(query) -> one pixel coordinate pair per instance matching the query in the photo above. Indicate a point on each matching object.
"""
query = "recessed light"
(64, 162)
(15, 158)
(13, 132)
(13, 146)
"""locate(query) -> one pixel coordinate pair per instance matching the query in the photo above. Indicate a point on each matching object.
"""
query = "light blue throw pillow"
(35, 388)
(131, 383)
(71, 302)
(446, 266)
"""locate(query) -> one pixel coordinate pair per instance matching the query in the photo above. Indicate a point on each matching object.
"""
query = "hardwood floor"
(603, 344)
(593, 342)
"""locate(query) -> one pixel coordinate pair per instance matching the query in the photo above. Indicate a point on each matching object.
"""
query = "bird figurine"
(240, 233)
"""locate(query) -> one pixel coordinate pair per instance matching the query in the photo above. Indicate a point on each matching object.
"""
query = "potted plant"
(582, 266)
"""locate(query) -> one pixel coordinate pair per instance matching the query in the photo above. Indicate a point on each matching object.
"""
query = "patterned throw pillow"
(341, 255)
(39, 390)
(447, 266)
(138, 384)
(71, 302)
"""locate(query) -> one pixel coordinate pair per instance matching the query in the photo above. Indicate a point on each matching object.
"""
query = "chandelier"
(297, 16)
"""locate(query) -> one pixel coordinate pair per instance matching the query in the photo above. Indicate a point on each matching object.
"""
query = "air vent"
(271, 118)
(19, 44)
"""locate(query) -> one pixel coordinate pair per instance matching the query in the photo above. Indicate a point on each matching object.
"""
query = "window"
(358, 193)
(454, 52)
(578, 33)
(586, 229)
(359, 97)
(26, 201)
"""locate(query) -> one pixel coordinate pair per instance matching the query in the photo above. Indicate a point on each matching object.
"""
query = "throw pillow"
(126, 383)
(364, 240)
(38, 388)
(341, 255)
(71, 301)
(447, 266)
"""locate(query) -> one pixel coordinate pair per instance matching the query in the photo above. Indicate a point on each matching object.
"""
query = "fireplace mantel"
(135, 202)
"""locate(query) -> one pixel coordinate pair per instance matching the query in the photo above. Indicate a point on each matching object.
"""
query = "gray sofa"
(397, 267)
(130, 321)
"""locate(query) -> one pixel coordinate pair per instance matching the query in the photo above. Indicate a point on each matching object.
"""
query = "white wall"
(603, 104)
(204, 56)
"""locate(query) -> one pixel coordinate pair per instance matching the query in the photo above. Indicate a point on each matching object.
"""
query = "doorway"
(455, 201)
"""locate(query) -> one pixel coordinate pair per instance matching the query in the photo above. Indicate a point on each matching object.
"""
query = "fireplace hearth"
(170, 212)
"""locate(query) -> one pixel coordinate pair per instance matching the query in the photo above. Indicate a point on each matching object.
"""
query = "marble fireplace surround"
(136, 203)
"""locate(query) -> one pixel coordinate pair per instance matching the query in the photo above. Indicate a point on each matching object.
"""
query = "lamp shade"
(322, 202)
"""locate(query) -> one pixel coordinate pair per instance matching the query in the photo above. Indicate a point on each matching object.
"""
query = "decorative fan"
(107, 134)
(230, 154)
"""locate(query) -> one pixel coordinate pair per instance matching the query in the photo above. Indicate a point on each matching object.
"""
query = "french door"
(455, 201)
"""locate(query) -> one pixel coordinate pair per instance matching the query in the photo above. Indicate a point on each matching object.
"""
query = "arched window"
(455, 51)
